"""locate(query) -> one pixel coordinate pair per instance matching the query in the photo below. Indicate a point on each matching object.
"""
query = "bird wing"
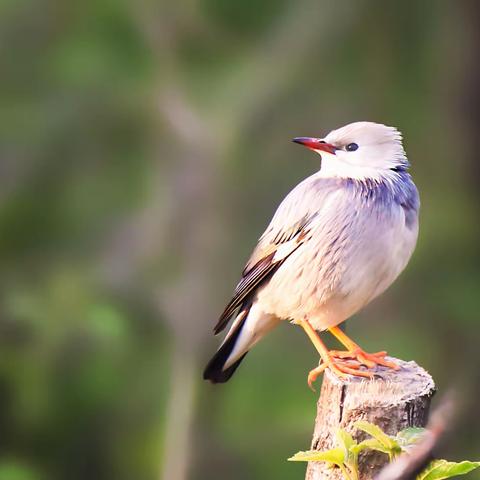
(274, 247)
(288, 231)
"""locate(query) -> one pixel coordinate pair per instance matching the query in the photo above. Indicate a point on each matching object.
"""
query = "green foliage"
(409, 437)
(345, 454)
(334, 455)
(440, 469)
(342, 457)
(376, 432)
(381, 441)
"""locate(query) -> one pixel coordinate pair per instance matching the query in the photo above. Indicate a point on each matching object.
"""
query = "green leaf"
(377, 433)
(335, 455)
(344, 439)
(440, 469)
(348, 444)
(370, 444)
(410, 436)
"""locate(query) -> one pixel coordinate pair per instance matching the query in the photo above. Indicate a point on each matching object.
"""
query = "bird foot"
(342, 368)
(349, 362)
(369, 360)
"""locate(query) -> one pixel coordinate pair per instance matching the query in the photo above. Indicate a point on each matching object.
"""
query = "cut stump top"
(388, 387)
(393, 400)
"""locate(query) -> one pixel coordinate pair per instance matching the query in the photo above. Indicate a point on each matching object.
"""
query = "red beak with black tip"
(316, 144)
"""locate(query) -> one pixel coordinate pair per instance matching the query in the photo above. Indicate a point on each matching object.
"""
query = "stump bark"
(393, 400)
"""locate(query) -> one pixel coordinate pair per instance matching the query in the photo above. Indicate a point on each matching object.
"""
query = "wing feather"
(288, 230)
(263, 263)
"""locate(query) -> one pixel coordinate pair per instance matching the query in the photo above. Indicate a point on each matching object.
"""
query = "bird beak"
(316, 144)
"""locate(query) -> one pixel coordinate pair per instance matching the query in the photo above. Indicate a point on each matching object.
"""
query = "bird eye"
(351, 147)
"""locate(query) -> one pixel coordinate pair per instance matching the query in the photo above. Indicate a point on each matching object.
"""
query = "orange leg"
(341, 368)
(354, 352)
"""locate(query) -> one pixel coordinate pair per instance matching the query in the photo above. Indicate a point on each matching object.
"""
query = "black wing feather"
(249, 282)
(261, 271)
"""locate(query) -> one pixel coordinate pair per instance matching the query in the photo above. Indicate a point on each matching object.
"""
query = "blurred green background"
(144, 147)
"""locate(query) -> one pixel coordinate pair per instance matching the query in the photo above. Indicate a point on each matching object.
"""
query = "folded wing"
(274, 247)
(287, 232)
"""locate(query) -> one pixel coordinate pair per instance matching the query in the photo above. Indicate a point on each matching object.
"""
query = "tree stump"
(393, 400)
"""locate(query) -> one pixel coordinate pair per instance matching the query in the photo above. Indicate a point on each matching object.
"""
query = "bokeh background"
(144, 147)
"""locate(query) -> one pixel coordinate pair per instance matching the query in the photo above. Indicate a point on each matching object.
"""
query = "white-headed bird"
(337, 241)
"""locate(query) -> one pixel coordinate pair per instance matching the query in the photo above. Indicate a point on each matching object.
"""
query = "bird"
(337, 241)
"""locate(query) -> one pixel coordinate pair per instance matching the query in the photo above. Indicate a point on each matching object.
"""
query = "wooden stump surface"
(393, 400)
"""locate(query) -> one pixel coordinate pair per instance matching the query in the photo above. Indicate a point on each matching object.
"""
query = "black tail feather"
(214, 370)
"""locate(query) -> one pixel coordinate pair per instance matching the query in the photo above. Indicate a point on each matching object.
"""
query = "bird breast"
(357, 245)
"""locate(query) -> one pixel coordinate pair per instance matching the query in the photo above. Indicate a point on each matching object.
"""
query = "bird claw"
(369, 360)
(314, 374)
(342, 369)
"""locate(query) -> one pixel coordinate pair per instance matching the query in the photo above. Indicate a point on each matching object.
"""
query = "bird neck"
(332, 169)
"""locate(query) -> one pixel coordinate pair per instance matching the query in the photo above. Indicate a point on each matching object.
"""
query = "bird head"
(360, 150)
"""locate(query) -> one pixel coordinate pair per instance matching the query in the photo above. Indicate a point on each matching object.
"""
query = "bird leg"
(341, 368)
(355, 352)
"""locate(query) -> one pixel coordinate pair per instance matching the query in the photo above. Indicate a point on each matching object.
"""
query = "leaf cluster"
(345, 454)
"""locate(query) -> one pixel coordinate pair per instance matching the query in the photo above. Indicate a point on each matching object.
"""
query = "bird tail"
(215, 371)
